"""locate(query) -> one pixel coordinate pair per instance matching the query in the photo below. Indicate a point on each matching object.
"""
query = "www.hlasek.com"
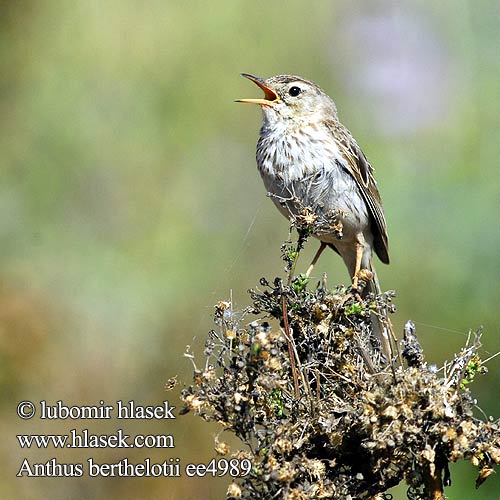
(83, 439)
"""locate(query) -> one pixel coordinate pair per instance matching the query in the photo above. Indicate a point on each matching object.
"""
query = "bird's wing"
(360, 169)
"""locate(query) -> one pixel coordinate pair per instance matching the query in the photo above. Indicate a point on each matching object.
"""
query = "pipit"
(312, 167)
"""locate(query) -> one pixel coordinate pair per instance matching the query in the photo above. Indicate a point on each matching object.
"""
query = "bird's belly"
(331, 194)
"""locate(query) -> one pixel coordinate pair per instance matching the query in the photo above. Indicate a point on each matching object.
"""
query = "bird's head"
(288, 97)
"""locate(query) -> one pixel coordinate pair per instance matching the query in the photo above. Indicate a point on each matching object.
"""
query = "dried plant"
(299, 379)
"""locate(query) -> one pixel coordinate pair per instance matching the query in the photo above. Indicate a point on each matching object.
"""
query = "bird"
(311, 164)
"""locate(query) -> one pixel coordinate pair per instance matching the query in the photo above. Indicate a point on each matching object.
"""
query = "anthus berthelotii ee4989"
(309, 161)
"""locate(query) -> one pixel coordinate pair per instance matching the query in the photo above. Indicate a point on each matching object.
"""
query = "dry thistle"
(357, 428)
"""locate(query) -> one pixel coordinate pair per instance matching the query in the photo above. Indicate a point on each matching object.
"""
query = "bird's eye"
(294, 91)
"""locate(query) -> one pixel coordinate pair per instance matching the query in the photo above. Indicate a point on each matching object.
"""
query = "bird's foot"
(365, 275)
(355, 293)
(359, 280)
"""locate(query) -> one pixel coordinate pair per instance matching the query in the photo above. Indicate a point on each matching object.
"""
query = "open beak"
(270, 96)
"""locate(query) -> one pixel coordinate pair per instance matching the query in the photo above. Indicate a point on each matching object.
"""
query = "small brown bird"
(309, 161)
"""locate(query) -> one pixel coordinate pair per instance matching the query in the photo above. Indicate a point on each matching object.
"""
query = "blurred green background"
(131, 203)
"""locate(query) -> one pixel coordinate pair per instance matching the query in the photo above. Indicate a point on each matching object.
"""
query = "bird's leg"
(360, 246)
(322, 246)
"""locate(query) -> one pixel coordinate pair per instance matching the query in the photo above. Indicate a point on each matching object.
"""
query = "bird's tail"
(381, 324)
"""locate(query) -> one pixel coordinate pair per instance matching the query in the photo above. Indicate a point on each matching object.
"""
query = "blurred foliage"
(131, 201)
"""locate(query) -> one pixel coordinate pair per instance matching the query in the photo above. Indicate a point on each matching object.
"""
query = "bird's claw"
(355, 293)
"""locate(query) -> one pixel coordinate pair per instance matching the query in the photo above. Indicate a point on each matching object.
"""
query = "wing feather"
(362, 172)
